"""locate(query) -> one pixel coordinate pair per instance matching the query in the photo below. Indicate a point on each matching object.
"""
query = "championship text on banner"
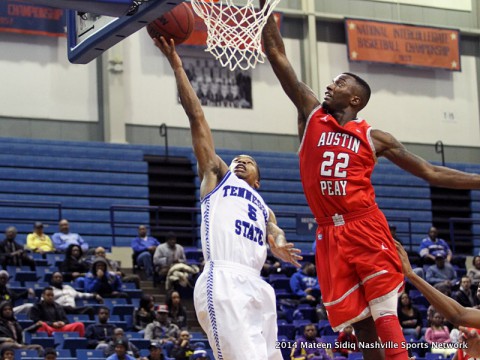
(391, 43)
(198, 37)
(25, 18)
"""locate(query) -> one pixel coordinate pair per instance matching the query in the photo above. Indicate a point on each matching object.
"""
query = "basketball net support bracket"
(112, 33)
(103, 7)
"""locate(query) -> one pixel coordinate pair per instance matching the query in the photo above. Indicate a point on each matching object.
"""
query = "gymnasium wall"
(45, 96)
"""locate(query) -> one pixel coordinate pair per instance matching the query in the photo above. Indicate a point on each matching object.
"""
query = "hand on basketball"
(285, 252)
(168, 49)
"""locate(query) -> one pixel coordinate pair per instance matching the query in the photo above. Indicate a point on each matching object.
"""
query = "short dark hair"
(254, 161)
(45, 289)
(367, 92)
(50, 351)
(103, 308)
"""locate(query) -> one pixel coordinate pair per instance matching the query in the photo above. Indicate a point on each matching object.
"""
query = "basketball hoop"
(234, 34)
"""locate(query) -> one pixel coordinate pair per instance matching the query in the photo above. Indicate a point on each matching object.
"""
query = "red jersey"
(336, 163)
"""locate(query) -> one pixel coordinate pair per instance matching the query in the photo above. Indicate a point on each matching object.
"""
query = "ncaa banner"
(400, 44)
(25, 18)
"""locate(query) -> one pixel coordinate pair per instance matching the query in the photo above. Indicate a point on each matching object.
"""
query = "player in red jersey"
(358, 268)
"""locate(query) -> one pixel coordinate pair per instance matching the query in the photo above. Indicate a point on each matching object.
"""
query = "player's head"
(246, 168)
(347, 90)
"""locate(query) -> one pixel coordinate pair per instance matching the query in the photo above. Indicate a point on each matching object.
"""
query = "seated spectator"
(50, 354)
(119, 334)
(474, 273)
(11, 332)
(465, 296)
(144, 247)
(182, 276)
(347, 342)
(442, 275)
(74, 265)
(145, 314)
(200, 354)
(114, 267)
(167, 254)
(103, 282)
(7, 354)
(7, 294)
(431, 246)
(176, 311)
(64, 238)
(162, 329)
(65, 295)
(304, 283)
(50, 317)
(13, 253)
(182, 350)
(306, 346)
(438, 333)
(38, 241)
(156, 351)
(121, 347)
(409, 317)
(99, 334)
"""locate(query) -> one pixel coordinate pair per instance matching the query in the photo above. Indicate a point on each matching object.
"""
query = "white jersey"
(234, 223)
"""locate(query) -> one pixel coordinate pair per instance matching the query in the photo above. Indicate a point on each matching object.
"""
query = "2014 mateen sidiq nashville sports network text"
(369, 345)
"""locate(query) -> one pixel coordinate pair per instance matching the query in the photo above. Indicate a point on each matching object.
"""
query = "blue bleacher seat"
(141, 343)
(430, 356)
(287, 330)
(45, 342)
(59, 337)
(355, 356)
(88, 354)
(75, 343)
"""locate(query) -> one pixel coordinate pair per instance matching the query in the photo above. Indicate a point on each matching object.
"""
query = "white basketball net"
(234, 33)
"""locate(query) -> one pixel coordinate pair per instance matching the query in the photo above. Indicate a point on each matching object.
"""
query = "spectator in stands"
(74, 266)
(409, 317)
(167, 254)
(11, 332)
(176, 311)
(103, 282)
(304, 283)
(474, 273)
(38, 241)
(307, 346)
(161, 329)
(465, 296)
(7, 354)
(182, 350)
(347, 342)
(144, 247)
(99, 334)
(13, 253)
(431, 246)
(65, 295)
(145, 314)
(7, 294)
(442, 275)
(50, 354)
(156, 351)
(50, 317)
(121, 347)
(271, 266)
(199, 354)
(438, 333)
(64, 238)
(114, 267)
(119, 334)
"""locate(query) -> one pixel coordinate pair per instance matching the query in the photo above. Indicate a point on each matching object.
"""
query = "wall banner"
(393, 43)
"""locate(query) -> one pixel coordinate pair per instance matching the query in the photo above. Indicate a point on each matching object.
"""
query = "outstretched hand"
(402, 254)
(472, 339)
(285, 252)
(168, 49)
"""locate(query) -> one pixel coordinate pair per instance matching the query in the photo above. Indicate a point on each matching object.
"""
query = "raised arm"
(278, 243)
(301, 95)
(386, 145)
(452, 310)
(210, 167)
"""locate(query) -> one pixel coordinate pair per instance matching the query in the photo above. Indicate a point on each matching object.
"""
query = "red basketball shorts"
(357, 263)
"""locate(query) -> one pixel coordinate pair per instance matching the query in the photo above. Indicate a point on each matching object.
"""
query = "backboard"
(90, 34)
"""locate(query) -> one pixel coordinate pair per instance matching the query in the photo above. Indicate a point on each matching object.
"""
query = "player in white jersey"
(234, 306)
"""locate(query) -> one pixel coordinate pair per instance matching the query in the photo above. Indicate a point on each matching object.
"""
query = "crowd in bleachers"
(58, 293)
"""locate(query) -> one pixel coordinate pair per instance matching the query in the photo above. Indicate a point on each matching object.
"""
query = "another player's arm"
(301, 95)
(278, 243)
(452, 310)
(210, 167)
(386, 145)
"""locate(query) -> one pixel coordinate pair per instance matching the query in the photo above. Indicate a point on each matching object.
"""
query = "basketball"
(176, 24)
